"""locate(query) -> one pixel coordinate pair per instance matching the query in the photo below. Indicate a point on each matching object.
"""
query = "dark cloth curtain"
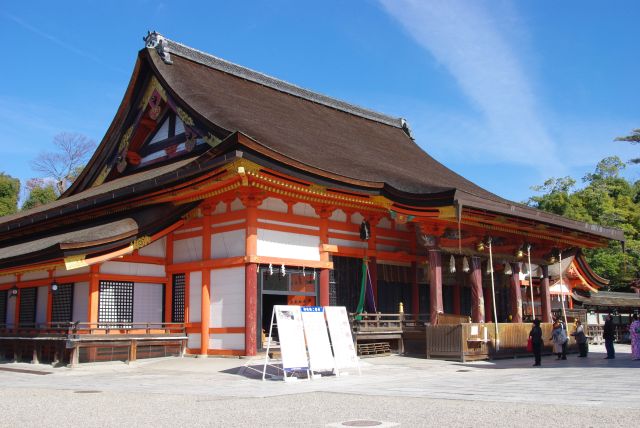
(344, 287)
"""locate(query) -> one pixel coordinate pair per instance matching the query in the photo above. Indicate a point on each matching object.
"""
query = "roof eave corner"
(155, 40)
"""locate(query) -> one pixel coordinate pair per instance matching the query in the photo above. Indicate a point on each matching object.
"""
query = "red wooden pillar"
(545, 295)
(477, 297)
(415, 292)
(516, 294)
(435, 285)
(205, 301)
(324, 213)
(94, 295)
(251, 202)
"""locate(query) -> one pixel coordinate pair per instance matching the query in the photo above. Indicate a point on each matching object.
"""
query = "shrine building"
(218, 192)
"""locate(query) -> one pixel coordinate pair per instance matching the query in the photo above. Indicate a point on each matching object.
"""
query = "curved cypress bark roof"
(315, 130)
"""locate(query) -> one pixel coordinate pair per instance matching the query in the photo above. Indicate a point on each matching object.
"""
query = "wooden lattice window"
(28, 299)
(177, 298)
(4, 294)
(115, 304)
(62, 303)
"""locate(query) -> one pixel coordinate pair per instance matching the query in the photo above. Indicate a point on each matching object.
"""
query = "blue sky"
(506, 93)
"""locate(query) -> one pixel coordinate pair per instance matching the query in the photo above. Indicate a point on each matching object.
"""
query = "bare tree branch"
(62, 165)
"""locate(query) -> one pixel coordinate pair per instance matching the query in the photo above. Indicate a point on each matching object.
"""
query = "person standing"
(608, 334)
(536, 340)
(634, 330)
(559, 338)
(581, 339)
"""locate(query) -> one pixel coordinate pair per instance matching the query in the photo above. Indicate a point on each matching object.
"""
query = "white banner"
(315, 331)
(291, 337)
(341, 339)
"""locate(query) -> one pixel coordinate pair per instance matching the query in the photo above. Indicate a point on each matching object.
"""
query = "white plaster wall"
(274, 204)
(80, 302)
(384, 223)
(338, 215)
(79, 271)
(234, 341)
(402, 227)
(30, 276)
(236, 205)
(41, 304)
(155, 249)
(286, 223)
(304, 209)
(195, 296)
(147, 302)
(7, 279)
(381, 247)
(227, 297)
(228, 244)
(273, 243)
(347, 243)
(11, 311)
(357, 218)
(221, 208)
(187, 250)
(133, 269)
(193, 342)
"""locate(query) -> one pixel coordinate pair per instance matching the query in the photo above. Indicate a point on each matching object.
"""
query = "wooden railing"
(82, 328)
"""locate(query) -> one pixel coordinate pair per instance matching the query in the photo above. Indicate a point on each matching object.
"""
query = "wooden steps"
(374, 349)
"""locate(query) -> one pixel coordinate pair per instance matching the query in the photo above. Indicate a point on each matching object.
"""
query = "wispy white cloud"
(474, 46)
(59, 42)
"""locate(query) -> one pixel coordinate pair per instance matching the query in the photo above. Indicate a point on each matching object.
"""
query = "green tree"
(40, 193)
(9, 191)
(634, 138)
(606, 199)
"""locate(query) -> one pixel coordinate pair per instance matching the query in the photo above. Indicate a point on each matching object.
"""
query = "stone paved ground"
(391, 391)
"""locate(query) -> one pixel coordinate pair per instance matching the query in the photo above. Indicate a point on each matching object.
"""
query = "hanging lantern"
(465, 265)
(480, 246)
(452, 264)
(507, 268)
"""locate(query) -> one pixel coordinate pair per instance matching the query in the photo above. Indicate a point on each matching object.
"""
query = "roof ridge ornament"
(153, 39)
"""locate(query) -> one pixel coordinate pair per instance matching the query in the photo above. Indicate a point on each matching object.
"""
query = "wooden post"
(251, 201)
(94, 294)
(435, 284)
(205, 308)
(324, 213)
(516, 294)
(545, 295)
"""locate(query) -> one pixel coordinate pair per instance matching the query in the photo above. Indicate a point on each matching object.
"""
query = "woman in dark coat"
(536, 341)
(608, 334)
